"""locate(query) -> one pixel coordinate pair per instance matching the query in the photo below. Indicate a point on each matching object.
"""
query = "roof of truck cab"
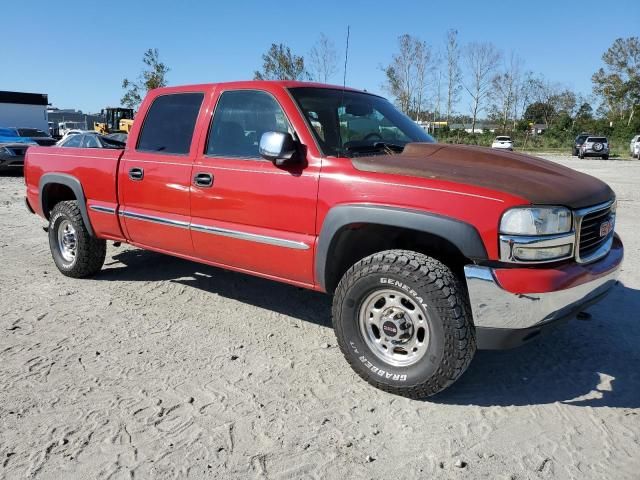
(263, 84)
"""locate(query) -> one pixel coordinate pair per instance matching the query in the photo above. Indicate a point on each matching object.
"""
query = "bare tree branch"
(454, 73)
(323, 60)
(482, 60)
(408, 73)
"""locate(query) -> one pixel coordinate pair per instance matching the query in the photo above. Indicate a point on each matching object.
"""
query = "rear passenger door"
(155, 174)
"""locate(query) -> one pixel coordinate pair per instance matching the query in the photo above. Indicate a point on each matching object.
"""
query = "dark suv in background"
(41, 138)
(578, 143)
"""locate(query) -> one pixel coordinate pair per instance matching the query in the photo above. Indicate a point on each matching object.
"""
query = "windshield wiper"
(375, 147)
(396, 147)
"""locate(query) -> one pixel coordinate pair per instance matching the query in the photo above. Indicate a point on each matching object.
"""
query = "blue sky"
(79, 53)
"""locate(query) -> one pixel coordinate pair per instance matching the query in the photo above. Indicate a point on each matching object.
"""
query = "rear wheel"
(75, 252)
(403, 323)
(605, 157)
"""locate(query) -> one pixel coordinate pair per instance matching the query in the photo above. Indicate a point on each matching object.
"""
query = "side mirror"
(278, 147)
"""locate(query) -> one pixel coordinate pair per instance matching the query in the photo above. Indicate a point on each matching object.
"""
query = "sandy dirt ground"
(162, 368)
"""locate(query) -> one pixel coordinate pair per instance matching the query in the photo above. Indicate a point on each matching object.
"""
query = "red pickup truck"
(430, 250)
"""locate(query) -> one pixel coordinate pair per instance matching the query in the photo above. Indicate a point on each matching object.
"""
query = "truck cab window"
(169, 124)
(240, 119)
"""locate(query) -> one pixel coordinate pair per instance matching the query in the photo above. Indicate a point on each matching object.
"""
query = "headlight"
(536, 221)
(536, 235)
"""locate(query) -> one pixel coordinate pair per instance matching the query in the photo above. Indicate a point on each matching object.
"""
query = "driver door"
(247, 213)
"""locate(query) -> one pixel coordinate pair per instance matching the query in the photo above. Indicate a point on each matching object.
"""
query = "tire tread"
(92, 250)
(436, 279)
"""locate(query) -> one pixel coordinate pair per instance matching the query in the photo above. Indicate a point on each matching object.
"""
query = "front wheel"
(75, 252)
(403, 322)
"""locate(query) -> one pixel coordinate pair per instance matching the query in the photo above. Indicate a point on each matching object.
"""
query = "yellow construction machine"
(117, 119)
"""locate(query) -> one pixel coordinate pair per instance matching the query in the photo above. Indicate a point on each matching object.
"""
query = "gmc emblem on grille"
(605, 228)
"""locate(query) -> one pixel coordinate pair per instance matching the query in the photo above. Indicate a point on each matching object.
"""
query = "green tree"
(152, 76)
(280, 64)
(618, 82)
(539, 112)
(585, 112)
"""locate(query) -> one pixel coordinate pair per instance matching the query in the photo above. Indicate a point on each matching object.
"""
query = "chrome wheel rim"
(394, 327)
(67, 241)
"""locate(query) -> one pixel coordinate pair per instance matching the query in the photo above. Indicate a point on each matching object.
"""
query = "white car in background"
(504, 143)
(71, 132)
(634, 147)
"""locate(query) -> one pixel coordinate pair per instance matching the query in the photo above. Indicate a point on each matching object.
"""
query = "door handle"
(203, 180)
(136, 174)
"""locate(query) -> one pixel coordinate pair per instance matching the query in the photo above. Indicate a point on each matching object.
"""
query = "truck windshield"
(347, 123)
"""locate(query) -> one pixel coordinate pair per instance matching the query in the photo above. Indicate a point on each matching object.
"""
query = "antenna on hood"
(344, 80)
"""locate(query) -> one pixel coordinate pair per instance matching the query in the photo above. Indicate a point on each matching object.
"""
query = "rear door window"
(169, 124)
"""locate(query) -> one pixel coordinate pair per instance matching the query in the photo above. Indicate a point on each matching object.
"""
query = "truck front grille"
(591, 234)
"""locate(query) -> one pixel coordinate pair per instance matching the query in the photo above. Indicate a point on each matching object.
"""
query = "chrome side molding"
(101, 209)
(154, 219)
(251, 237)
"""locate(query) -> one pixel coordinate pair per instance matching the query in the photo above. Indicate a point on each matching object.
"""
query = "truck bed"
(95, 170)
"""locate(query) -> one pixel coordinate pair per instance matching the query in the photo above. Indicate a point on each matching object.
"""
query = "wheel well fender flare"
(462, 235)
(76, 187)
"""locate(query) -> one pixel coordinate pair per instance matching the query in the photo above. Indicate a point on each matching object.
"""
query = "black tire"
(574, 151)
(605, 157)
(440, 297)
(90, 252)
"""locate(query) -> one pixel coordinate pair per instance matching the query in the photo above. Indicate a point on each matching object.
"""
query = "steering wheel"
(369, 136)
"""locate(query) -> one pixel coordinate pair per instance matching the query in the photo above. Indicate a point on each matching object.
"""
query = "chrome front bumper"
(494, 307)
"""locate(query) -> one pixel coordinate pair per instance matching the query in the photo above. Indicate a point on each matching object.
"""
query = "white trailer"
(24, 110)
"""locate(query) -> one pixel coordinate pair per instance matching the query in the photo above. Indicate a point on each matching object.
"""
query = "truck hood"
(534, 179)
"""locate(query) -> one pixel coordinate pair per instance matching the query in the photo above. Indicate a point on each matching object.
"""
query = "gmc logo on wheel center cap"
(389, 328)
(605, 228)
